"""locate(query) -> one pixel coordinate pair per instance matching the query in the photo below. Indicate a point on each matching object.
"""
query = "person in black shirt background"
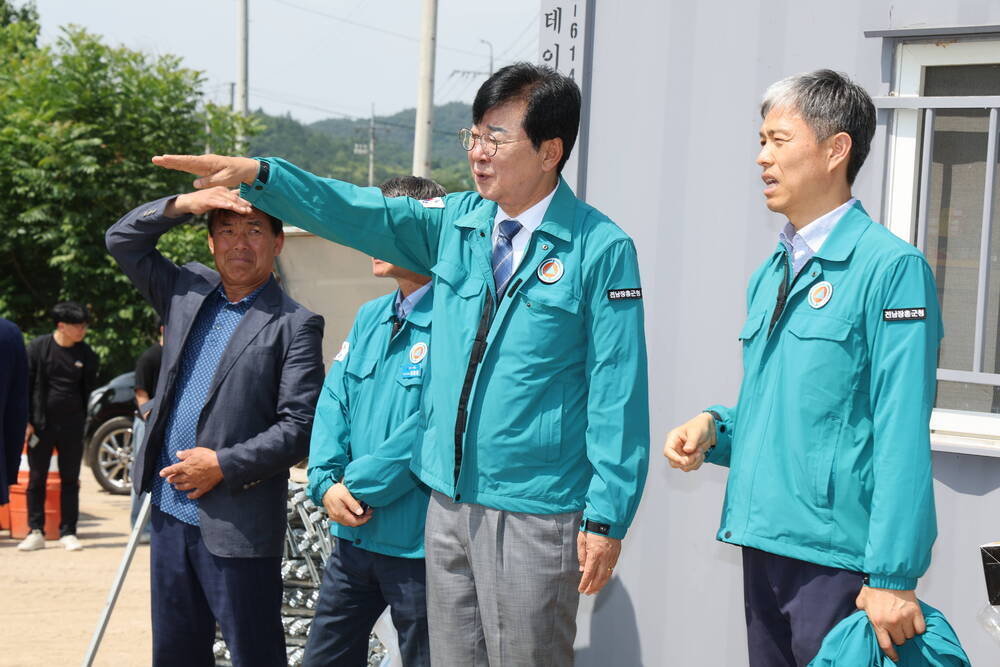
(147, 373)
(13, 404)
(62, 371)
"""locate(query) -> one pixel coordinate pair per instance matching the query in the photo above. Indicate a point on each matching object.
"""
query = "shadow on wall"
(614, 635)
(978, 479)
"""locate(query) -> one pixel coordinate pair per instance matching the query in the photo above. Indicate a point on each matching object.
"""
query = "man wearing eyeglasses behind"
(536, 417)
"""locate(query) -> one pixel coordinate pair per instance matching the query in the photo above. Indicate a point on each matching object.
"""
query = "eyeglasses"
(489, 143)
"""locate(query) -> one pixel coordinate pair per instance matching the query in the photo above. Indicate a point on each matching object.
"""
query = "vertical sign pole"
(566, 45)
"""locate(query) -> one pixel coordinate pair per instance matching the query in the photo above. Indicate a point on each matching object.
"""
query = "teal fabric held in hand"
(829, 444)
(539, 402)
(852, 643)
(367, 422)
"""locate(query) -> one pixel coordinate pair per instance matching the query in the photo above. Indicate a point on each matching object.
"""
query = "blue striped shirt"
(210, 333)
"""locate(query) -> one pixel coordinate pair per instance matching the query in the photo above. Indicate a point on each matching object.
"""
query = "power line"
(461, 91)
(532, 22)
(366, 26)
(344, 115)
(449, 83)
(281, 96)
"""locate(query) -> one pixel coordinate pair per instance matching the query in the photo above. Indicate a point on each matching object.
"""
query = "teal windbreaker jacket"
(852, 643)
(829, 444)
(539, 403)
(367, 421)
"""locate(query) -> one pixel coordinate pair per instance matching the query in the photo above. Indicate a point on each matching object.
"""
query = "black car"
(108, 433)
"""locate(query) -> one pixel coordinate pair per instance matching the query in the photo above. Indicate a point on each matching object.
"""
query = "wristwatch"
(263, 171)
(595, 527)
(720, 427)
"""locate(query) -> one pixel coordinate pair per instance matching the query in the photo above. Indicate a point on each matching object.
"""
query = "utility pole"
(371, 149)
(232, 96)
(489, 44)
(425, 91)
(241, 66)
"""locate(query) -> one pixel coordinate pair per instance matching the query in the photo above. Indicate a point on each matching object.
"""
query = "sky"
(315, 59)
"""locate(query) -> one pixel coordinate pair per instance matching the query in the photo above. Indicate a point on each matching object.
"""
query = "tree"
(78, 124)
(326, 147)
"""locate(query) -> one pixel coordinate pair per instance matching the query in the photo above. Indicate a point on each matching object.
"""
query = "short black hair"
(416, 187)
(69, 312)
(829, 103)
(216, 213)
(553, 103)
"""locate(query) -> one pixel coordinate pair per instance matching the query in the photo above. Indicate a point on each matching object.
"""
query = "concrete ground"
(51, 600)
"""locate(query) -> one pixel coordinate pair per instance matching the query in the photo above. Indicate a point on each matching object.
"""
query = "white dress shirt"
(530, 220)
(805, 243)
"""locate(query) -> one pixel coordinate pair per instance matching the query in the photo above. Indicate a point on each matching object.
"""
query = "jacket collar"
(269, 294)
(843, 237)
(421, 313)
(845, 234)
(419, 316)
(558, 220)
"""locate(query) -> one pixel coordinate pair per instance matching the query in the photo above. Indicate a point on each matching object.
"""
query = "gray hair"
(416, 187)
(829, 103)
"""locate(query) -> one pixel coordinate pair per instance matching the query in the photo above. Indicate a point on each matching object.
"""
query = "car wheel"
(111, 455)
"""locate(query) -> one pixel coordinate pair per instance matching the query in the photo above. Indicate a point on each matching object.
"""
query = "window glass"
(968, 396)
(954, 231)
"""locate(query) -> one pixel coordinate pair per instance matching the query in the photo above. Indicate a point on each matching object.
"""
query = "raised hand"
(213, 170)
(196, 203)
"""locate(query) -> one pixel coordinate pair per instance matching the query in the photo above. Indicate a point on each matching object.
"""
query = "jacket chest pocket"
(751, 333)
(360, 366)
(410, 375)
(824, 355)
(554, 305)
(752, 327)
(550, 317)
(455, 279)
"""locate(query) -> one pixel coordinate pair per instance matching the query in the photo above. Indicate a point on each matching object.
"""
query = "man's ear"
(840, 150)
(211, 242)
(552, 152)
(279, 243)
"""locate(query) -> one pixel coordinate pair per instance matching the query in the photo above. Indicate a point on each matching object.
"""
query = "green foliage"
(327, 146)
(78, 124)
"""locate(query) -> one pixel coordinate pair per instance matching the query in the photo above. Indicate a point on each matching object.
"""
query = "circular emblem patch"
(418, 352)
(820, 294)
(550, 271)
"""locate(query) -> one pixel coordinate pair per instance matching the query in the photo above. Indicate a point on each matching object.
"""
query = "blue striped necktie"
(503, 255)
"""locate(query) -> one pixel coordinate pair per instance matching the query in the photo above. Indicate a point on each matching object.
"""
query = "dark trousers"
(67, 438)
(357, 586)
(192, 589)
(791, 605)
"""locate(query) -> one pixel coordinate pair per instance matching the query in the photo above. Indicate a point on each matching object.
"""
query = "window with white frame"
(943, 195)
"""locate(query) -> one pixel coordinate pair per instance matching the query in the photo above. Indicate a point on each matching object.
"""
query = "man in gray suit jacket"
(240, 376)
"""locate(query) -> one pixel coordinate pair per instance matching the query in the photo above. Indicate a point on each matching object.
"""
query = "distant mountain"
(326, 147)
